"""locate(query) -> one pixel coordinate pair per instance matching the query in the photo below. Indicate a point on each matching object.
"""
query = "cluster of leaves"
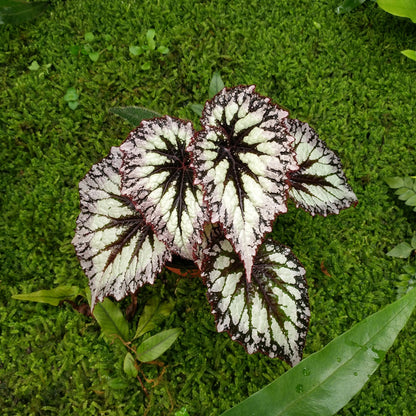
(87, 47)
(148, 48)
(406, 192)
(71, 97)
(114, 324)
(211, 197)
(402, 8)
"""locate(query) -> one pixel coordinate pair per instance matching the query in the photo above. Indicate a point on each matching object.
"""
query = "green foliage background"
(343, 74)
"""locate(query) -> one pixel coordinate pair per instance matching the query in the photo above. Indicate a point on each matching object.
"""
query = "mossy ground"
(342, 74)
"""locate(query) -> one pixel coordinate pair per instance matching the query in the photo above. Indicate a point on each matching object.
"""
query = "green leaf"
(134, 115)
(94, 56)
(197, 108)
(182, 412)
(154, 312)
(118, 384)
(413, 242)
(34, 66)
(348, 5)
(51, 296)
(395, 182)
(163, 50)
(216, 84)
(73, 104)
(146, 66)
(403, 8)
(89, 37)
(71, 94)
(135, 50)
(410, 54)
(155, 346)
(15, 12)
(129, 366)
(411, 201)
(74, 50)
(111, 320)
(402, 250)
(324, 382)
(150, 35)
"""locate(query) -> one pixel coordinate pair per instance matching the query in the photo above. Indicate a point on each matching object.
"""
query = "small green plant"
(71, 97)
(406, 192)
(87, 47)
(147, 48)
(114, 325)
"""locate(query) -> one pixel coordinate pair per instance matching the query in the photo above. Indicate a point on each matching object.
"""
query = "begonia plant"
(211, 196)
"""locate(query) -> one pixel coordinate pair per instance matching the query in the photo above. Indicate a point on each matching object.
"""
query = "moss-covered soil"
(342, 74)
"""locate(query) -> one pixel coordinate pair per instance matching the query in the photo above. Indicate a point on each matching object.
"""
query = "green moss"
(347, 79)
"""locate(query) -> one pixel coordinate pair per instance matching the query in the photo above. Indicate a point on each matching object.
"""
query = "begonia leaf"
(157, 177)
(319, 186)
(269, 314)
(242, 158)
(117, 250)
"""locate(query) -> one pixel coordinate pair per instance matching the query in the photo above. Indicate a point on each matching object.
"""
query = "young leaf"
(150, 37)
(117, 250)
(71, 94)
(73, 104)
(94, 56)
(269, 314)
(135, 50)
(163, 50)
(242, 159)
(319, 186)
(129, 366)
(327, 380)
(154, 312)
(111, 320)
(216, 84)
(34, 66)
(157, 177)
(134, 115)
(153, 347)
(52, 297)
(402, 250)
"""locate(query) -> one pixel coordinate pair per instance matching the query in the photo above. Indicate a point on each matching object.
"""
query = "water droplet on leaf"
(299, 388)
(306, 372)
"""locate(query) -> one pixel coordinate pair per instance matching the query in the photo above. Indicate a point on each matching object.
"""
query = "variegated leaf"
(117, 250)
(157, 177)
(319, 186)
(212, 233)
(271, 313)
(242, 159)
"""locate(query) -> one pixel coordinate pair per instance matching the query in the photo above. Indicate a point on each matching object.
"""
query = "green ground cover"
(342, 74)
